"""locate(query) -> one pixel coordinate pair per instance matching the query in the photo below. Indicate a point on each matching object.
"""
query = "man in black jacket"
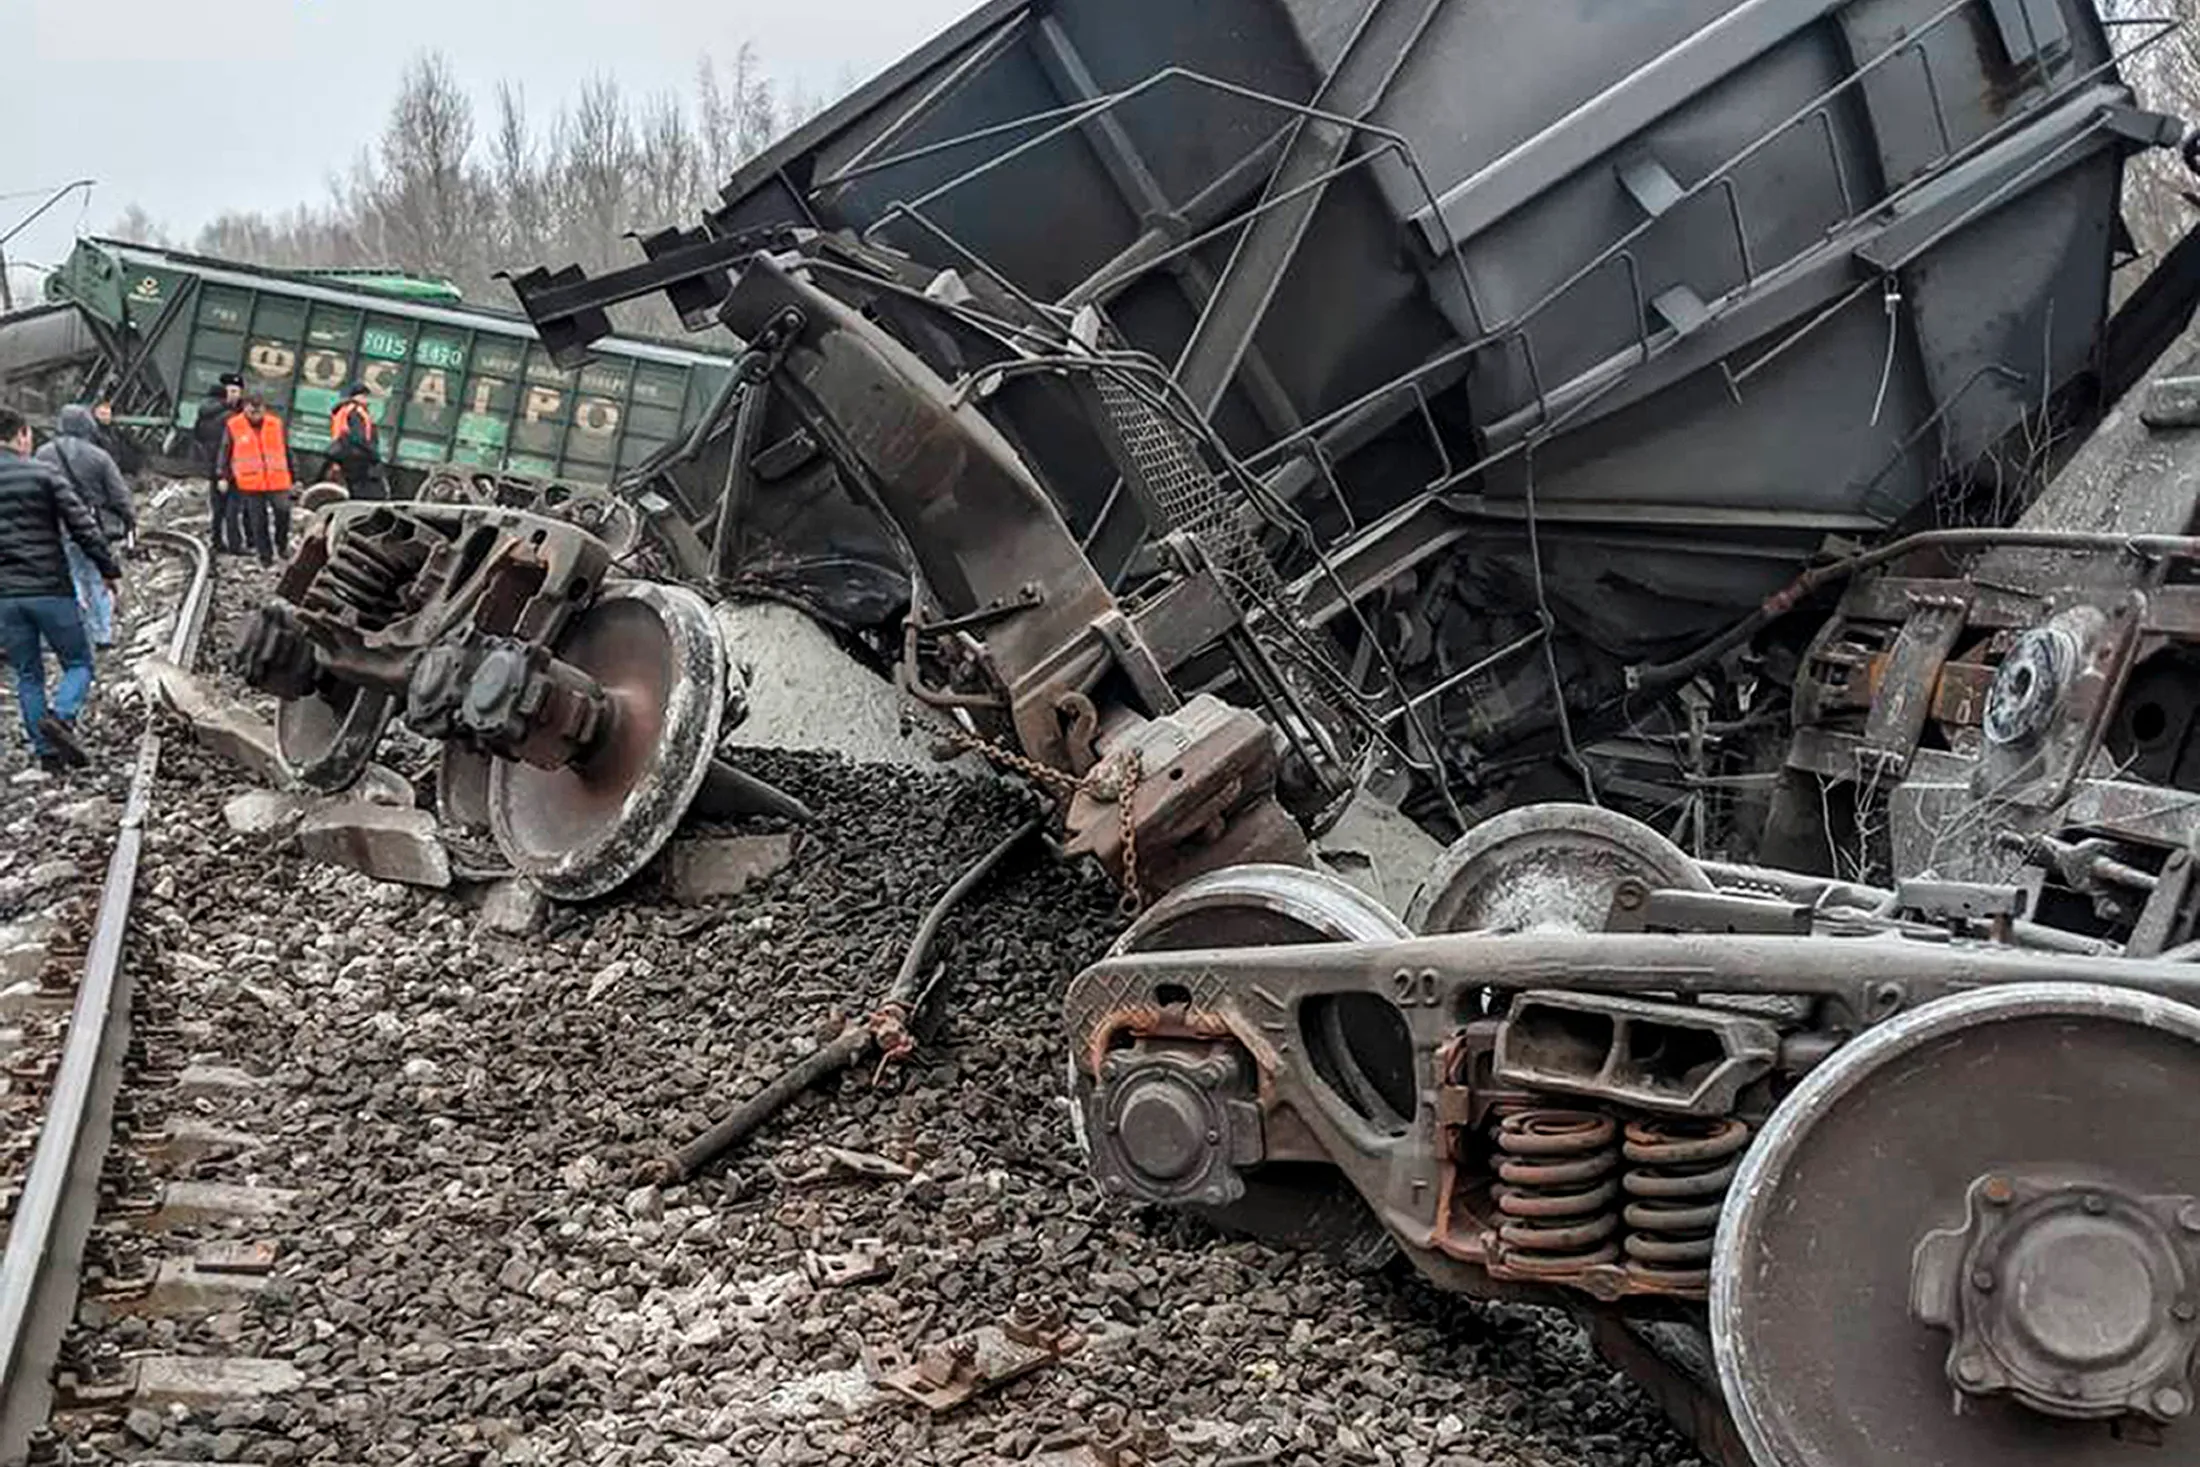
(210, 430)
(120, 446)
(38, 510)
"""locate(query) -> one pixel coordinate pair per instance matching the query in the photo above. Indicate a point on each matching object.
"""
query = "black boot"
(61, 738)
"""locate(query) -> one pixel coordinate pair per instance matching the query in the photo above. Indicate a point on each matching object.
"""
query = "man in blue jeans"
(76, 454)
(39, 512)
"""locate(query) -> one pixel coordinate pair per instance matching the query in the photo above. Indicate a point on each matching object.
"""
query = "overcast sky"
(192, 109)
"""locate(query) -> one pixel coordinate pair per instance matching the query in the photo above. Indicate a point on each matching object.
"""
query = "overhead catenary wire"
(7, 293)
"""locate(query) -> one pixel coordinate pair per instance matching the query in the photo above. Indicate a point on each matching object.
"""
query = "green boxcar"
(451, 384)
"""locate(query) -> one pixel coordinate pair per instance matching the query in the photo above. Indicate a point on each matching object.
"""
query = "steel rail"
(60, 1197)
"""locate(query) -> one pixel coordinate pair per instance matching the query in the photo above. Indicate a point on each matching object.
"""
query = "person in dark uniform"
(211, 433)
(120, 446)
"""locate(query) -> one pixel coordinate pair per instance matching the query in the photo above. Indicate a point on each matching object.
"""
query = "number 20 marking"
(1415, 988)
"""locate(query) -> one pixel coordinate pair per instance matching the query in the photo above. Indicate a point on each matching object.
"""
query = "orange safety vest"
(259, 461)
(340, 421)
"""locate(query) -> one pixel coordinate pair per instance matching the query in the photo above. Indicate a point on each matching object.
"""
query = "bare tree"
(427, 191)
(138, 227)
(798, 104)
(714, 111)
(668, 178)
(739, 119)
(519, 182)
(594, 154)
(437, 195)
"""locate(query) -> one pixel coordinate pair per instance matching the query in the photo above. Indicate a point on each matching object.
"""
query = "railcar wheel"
(462, 813)
(1259, 906)
(1972, 1239)
(607, 516)
(1358, 1041)
(584, 829)
(327, 740)
(462, 790)
(1546, 868)
(452, 486)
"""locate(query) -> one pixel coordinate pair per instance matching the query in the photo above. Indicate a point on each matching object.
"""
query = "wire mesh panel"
(1190, 499)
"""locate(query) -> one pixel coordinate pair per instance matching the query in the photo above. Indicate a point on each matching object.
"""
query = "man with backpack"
(352, 443)
(75, 454)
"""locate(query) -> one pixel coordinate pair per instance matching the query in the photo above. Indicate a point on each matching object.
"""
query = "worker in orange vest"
(352, 443)
(255, 463)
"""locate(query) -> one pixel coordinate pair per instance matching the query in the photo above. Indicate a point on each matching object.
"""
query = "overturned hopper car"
(1537, 418)
(1515, 367)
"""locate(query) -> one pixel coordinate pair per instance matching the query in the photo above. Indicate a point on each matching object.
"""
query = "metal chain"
(1133, 767)
(1120, 788)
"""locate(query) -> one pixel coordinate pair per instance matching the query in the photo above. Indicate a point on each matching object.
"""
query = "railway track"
(59, 1199)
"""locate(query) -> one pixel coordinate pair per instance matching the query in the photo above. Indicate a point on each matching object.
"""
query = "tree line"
(449, 192)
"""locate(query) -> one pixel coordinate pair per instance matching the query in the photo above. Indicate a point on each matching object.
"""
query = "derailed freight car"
(48, 356)
(452, 386)
(1284, 401)
(1547, 360)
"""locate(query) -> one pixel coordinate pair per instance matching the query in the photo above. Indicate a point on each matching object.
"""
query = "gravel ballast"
(470, 1274)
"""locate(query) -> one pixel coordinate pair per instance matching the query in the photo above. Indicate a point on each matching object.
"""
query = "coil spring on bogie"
(1557, 1182)
(361, 578)
(1678, 1173)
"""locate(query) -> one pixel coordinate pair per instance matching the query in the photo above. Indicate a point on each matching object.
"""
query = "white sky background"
(192, 109)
